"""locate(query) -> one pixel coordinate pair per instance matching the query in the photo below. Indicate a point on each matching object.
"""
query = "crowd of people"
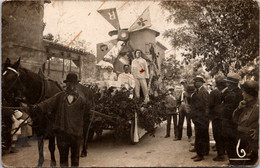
(232, 109)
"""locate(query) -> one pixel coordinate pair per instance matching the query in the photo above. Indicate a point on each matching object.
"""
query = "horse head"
(10, 74)
(11, 83)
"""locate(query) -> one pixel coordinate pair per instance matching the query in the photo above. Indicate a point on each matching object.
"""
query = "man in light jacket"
(126, 78)
(140, 72)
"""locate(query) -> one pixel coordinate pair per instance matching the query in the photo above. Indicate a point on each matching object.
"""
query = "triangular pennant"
(142, 22)
(111, 16)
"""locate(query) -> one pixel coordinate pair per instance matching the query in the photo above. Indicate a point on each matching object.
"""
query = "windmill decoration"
(142, 22)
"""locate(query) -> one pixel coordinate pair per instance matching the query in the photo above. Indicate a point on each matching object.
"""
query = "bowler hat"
(250, 87)
(199, 78)
(233, 78)
(71, 77)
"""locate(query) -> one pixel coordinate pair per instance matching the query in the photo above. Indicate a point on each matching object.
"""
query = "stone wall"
(88, 67)
(22, 31)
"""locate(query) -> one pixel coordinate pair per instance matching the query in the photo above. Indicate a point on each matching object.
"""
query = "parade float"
(125, 114)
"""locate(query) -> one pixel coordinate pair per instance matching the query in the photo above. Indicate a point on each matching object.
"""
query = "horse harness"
(17, 77)
(42, 97)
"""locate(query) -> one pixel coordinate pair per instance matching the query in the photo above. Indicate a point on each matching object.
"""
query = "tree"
(220, 33)
(171, 68)
(49, 36)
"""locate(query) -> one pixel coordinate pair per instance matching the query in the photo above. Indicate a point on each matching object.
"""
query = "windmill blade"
(111, 16)
(104, 48)
(143, 21)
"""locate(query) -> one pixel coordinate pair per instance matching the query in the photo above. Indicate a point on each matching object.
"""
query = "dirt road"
(106, 151)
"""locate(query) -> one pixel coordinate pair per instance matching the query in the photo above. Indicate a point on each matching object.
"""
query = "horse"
(32, 89)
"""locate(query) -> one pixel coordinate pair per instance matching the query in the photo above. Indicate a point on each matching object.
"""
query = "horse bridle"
(17, 77)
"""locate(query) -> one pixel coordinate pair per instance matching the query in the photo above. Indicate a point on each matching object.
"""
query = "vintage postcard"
(129, 83)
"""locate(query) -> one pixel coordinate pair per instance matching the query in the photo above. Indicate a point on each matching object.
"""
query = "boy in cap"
(246, 116)
(170, 104)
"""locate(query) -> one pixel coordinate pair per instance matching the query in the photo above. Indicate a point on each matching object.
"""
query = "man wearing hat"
(184, 109)
(199, 115)
(170, 104)
(69, 108)
(231, 98)
(246, 116)
(215, 100)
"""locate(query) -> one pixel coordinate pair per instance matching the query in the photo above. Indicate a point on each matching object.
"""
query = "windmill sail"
(143, 21)
(104, 48)
(111, 16)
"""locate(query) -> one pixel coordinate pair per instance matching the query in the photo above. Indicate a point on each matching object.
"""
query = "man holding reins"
(69, 108)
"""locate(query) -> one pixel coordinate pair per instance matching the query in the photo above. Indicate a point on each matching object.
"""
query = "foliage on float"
(118, 105)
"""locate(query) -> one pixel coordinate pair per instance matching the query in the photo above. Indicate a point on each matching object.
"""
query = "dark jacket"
(68, 117)
(199, 106)
(231, 99)
(246, 118)
(215, 107)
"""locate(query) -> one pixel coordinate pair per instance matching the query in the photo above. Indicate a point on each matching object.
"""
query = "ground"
(106, 151)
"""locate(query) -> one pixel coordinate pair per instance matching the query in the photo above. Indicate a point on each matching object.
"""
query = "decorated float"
(127, 115)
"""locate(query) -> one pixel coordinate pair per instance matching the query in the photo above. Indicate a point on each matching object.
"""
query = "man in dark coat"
(247, 116)
(215, 100)
(231, 98)
(199, 115)
(69, 108)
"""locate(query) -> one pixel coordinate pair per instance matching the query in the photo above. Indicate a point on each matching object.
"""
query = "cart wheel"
(132, 129)
(90, 135)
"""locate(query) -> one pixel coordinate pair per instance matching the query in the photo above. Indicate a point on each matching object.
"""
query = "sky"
(72, 17)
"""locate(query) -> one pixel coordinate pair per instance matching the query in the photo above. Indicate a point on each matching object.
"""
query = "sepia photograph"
(130, 83)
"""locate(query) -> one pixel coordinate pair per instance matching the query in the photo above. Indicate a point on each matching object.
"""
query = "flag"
(142, 22)
(104, 48)
(111, 16)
